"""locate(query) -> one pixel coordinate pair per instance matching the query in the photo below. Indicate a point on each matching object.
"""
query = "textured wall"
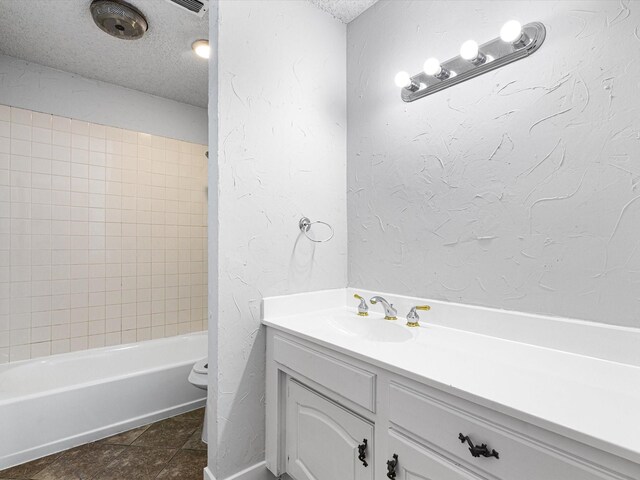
(102, 235)
(282, 154)
(212, 240)
(43, 89)
(518, 189)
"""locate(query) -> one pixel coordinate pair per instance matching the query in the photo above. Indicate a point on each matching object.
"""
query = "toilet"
(198, 378)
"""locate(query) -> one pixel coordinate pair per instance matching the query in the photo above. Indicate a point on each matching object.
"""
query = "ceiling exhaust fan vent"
(119, 19)
(197, 7)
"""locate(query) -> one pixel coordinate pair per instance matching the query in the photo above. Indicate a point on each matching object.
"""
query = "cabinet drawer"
(438, 426)
(353, 383)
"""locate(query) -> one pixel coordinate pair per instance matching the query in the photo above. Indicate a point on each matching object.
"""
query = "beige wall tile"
(102, 235)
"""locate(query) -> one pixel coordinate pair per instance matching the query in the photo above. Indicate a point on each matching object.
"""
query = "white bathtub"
(51, 404)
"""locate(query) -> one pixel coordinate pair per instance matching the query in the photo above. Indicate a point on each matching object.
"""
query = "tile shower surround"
(102, 235)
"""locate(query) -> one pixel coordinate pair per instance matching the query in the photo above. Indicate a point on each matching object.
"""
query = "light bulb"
(432, 67)
(511, 31)
(202, 48)
(469, 50)
(403, 79)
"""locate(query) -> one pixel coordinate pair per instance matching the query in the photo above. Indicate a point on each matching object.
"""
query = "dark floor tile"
(114, 458)
(186, 465)
(137, 463)
(81, 463)
(195, 441)
(194, 416)
(28, 470)
(124, 438)
(170, 433)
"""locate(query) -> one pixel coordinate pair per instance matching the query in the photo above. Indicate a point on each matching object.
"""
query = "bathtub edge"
(95, 435)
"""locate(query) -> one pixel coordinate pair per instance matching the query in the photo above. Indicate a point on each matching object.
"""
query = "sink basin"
(372, 329)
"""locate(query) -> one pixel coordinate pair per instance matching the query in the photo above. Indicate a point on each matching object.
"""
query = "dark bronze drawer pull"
(362, 452)
(391, 467)
(478, 450)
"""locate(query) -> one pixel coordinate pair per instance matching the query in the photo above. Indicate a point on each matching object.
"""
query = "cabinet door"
(323, 439)
(414, 462)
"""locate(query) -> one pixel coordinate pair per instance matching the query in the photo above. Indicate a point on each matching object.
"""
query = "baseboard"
(255, 472)
(208, 475)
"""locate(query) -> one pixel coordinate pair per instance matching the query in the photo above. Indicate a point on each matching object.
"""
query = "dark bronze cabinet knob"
(362, 452)
(478, 450)
(391, 467)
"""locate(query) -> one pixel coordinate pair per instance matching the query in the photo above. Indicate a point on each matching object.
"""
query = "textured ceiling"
(344, 10)
(61, 34)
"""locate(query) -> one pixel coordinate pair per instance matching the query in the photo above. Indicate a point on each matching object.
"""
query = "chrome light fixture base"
(497, 52)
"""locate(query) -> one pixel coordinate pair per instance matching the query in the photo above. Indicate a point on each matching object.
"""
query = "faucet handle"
(363, 308)
(413, 317)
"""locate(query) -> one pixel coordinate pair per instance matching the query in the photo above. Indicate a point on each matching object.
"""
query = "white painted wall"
(212, 237)
(43, 89)
(517, 189)
(282, 154)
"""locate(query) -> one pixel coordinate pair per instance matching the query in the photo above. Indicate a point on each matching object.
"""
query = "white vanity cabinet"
(471, 394)
(324, 440)
(322, 404)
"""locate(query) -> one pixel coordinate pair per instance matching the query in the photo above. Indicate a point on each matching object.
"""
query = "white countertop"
(593, 400)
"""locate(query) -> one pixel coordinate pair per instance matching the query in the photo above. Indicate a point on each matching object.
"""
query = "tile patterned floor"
(169, 449)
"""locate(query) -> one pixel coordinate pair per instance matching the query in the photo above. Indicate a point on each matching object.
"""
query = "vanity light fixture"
(514, 43)
(403, 80)
(201, 48)
(433, 68)
(471, 53)
(511, 32)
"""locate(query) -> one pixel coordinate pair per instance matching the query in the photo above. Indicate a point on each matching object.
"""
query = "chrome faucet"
(390, 313)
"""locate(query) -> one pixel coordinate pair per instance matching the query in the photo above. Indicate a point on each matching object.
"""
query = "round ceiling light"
(202, 48)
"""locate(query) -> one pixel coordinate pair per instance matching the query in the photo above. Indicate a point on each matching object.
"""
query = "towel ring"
(305, 225)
